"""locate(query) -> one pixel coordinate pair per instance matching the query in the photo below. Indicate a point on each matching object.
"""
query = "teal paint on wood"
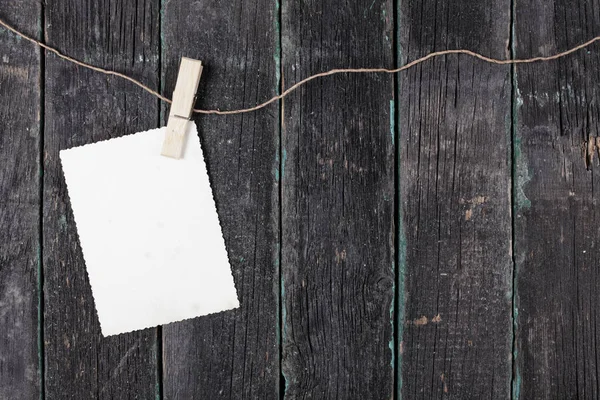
(62, 222)
(392, 121)
(283, 329)
(283, 160)
(393, 337)
(40, 307)
(157, 356)
(277, 162)
(400, 279)
(522, 174)
(400, 271)
(277, 53)
(516, 204)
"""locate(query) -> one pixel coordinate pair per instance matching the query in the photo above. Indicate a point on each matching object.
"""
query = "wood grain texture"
(84, 107)
(234, 354)
(338, 202)
(348, 152)
(455, 227)
(556, 180)
(20, 86)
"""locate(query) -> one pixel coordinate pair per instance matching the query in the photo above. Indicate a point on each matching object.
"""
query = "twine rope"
(305, 80)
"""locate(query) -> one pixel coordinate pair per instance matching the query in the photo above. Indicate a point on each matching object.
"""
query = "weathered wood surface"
(369, 219)
(556, 179)
(20, 89)
(82, 107)
(337, 202)
(455, 224)
(234, 354)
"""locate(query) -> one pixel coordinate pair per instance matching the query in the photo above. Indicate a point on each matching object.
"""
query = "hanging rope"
(310, 78)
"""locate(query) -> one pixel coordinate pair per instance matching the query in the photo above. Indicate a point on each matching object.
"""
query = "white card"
(149, 231)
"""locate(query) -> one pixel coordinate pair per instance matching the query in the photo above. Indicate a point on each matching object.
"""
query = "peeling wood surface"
(430, 235)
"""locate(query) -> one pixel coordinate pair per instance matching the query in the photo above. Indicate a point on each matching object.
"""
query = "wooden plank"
(557, 228)
(233, 354)
(338, 202)
(20, 86)
(455, 217)
(84, 107)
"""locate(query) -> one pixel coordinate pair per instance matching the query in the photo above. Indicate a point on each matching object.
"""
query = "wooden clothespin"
(184, 97)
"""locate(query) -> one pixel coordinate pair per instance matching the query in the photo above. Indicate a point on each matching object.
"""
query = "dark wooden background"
(426, 235)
